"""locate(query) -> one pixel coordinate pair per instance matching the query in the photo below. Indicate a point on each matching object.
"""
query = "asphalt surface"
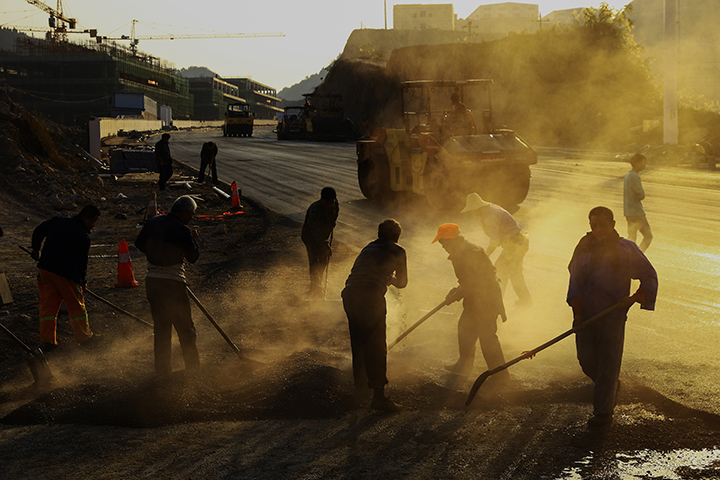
(670, 367)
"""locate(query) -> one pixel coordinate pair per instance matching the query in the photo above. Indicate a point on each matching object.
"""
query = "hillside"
(572, 88)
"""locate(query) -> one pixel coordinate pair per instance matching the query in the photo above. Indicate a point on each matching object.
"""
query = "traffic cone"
(235, 195)
(126, 279)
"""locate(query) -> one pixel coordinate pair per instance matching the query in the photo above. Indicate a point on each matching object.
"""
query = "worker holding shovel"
(167, 242)
(381, 263)
(63, 266)
(602, 267)
(317, 231)
(482, 300)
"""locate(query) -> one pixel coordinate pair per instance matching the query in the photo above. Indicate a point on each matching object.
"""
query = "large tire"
(441, 190)
(506, 186)
(374, 176)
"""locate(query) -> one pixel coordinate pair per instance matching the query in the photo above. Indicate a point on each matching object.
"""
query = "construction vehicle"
(239, 121)
(291, 124)
(442, 154)
(320, 118)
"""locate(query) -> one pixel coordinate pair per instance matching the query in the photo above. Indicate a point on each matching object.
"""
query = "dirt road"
(109, 417)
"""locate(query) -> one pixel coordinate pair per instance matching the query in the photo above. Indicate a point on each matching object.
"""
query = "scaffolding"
(71, 82)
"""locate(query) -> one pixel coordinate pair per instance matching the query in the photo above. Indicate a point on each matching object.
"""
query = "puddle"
(646, 464)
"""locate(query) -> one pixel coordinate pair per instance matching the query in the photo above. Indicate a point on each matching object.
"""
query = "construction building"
(424, 17)
(262, 98)
(212, 96)
(71, 82)
(502, 18)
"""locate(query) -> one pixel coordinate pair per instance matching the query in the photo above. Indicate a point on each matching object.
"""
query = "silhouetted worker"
(601, 270)
(317, 230)
(207, 159)
(167, 242)
(381, 263)
(63, 267)
(482, 301)
(504, 232)
(163, 160)
(633, 194)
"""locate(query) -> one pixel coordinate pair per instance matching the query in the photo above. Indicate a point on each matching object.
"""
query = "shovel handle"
(417, 324)
(20, 342)
(531, 353)
(215, 324)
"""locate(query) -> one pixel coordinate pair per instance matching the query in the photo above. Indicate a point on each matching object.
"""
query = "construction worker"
(482, 301)
(633, 194)
(163, 160)
(168, 242)
(207, 158)
(601, 270)
(504, 232)
(63, 266)
(381, 263)
(320, 220)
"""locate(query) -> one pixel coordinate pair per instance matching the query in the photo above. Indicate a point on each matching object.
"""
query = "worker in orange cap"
(482, 300)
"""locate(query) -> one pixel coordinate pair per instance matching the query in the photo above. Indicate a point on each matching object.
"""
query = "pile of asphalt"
(298, 386)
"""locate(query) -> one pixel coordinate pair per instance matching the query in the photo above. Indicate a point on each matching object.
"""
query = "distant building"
(558, 17)
(212, 96)
(503, 18)
(262, 98)
(424, 17)
(71, 82)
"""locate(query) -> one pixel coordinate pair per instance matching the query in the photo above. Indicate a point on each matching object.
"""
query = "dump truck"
(449, 147)
(239, 121)
(321, 117)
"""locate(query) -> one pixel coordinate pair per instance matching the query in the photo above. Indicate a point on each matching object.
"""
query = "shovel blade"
(476, 386)
(39, 367)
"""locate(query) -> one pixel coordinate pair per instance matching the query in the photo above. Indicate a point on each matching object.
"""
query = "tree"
(606, 27)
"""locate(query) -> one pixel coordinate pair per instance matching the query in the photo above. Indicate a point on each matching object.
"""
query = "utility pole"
(670, 82)
(385, 2)
(469, 27)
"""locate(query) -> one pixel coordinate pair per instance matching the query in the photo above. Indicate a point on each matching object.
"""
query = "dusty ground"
(289, 411)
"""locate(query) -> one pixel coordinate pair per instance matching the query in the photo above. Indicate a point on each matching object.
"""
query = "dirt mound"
(41, 159)
(300, 386)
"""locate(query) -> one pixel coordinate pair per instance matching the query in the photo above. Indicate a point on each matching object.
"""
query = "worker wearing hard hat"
(482, 300)
(504, 232)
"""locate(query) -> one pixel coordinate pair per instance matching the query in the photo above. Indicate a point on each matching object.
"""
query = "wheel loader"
(448, 148)
(320, 118)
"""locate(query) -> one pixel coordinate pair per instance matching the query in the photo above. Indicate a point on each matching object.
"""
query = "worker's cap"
(447, 230)
(473, 202)
(165, 135)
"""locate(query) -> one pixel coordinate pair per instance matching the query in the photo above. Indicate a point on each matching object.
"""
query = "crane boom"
(180, 37)
(55, 13)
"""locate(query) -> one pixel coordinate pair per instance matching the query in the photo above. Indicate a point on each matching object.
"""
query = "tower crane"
(58, 22)
(134, 39)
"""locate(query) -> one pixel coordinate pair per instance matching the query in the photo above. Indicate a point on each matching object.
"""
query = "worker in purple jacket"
(602, 267)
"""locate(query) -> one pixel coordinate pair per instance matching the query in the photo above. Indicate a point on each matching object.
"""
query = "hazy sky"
(315, 30)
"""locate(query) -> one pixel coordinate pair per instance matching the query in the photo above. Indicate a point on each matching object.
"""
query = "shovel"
(417, 324)
(36, 361)
(220, 330)
(531, 353)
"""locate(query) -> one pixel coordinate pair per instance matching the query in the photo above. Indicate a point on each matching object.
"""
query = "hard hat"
(473, 202)
(447, 230)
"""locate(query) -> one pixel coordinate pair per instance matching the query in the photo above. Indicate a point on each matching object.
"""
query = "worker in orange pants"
(65, 245)
(55, 289)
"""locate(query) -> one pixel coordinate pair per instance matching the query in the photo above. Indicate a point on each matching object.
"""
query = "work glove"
(453, 296)
(577, 319)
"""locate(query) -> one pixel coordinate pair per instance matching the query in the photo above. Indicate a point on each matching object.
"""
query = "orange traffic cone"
(126, 279)
(235, 195)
